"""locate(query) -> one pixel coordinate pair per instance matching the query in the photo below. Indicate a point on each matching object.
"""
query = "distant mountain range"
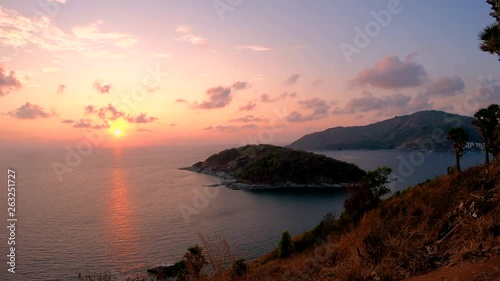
(421, 130)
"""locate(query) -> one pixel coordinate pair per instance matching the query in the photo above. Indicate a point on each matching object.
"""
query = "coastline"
(230, 182)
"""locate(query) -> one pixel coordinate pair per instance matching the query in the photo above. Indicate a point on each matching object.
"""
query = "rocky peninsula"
(269, 167)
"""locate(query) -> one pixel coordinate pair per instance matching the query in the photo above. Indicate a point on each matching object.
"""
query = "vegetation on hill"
(421, 130)
(443, 222)
(269, 164)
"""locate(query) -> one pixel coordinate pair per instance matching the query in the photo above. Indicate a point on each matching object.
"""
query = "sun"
(118, 128)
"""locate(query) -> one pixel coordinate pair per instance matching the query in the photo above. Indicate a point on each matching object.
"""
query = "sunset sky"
(233, 71)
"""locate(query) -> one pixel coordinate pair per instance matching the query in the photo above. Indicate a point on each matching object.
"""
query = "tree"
(285, 246)
(195, 260)
(459, 138)
(366, 196)
(486, 121)
(490, 35)
(376, 181)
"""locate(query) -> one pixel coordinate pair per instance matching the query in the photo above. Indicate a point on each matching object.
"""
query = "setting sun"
(117, 132)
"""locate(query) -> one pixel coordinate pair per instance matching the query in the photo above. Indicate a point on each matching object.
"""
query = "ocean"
(120, 211)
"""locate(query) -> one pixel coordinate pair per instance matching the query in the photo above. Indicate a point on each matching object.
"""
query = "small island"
(269, 167)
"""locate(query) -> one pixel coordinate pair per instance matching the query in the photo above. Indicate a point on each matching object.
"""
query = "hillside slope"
(401, 131)
(451, 222)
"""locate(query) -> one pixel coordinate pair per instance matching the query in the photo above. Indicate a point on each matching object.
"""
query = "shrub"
(238, 269)
(366, 196)
(195, 260)
(285, 246)
(374, 246)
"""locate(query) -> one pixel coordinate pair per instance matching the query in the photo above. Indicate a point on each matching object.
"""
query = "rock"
(162, 271)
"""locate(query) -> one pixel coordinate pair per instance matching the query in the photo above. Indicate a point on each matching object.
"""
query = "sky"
(139, 73)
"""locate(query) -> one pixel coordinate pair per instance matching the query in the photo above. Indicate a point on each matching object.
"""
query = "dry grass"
(444, 222)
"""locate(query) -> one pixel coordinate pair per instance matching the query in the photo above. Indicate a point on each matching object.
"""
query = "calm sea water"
(121, 211)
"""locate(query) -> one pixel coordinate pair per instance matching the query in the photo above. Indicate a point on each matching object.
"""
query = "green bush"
(285, 246)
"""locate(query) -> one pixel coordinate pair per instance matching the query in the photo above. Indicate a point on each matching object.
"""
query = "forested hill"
(409, 131)
(269, 164)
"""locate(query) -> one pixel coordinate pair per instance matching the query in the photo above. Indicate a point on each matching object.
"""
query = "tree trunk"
(487, 160)
(458, 163)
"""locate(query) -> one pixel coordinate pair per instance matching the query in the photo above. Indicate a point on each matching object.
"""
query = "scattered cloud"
(83, 123)
(30, 111)
(60, 89)
(151, 89)
(292, 79)
(102, 89)
(230, 128)
(68, 121)
(246, 119)
(218, 97)
(181, 101)
(141, 118)
(257, 48)
(89, 109)
(87, 123)
(183, 28)
(194, 39)
(391, 73)
(189, 36)
(240, 85)
(109, 112)
(92, 33)
(265, 98)
(249, 106)
(282, 96)
(318, 109)
(19, 31)
(173, 124)
(8, 82)
(369, 102)
(445, 86)
(144, 130)
(101, 126)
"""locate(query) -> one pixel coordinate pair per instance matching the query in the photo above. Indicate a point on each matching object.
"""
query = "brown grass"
(447, 221)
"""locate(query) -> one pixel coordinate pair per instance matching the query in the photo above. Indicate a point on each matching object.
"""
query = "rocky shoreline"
(230, 182)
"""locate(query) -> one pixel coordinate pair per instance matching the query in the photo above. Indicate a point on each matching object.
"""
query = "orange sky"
(190, 73)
